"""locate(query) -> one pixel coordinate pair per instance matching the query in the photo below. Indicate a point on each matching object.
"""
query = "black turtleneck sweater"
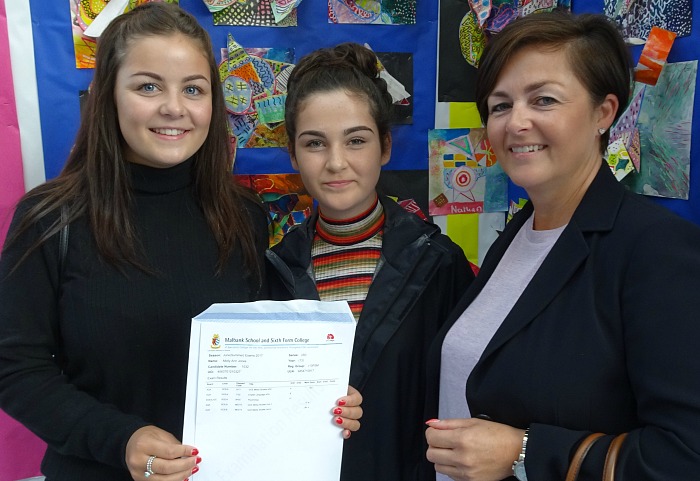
(124, 339)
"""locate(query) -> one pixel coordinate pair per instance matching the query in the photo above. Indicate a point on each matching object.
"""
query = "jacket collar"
(597, 212)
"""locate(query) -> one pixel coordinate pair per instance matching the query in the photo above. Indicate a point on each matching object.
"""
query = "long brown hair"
(94, 181)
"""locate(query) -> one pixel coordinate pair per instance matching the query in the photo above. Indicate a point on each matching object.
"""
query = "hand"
(174, 461)
(473, 449)
(347, 412)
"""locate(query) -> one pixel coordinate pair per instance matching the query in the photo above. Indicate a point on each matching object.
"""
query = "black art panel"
(456, 78)
(400, 66)
(404, 185)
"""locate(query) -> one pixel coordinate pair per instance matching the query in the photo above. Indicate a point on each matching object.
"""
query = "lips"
(169, 132)
(523, 149)
(338, 183)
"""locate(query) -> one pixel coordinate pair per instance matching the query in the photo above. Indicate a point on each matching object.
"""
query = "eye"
(500, 107)
(545, 101)
(193, 90)
(356, 141)
(314, 144)
(148, 87)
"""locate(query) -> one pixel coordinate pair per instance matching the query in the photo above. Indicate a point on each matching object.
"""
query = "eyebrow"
(528, 88)
(351, 130)
(155, 76)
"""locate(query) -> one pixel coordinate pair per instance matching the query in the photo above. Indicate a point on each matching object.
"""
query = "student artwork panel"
(464, 30)
(254, 82)
(636, 18)
(654, 55)
(457, 171)
(396, 68)
(408, 187)
(378, 12)
(259, 13)
(664, 125)
(83, 13)
(285, 197)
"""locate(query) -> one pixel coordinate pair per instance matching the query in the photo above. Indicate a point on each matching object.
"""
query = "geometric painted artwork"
(624, 149)
(285, 197)
(458, 160)
(259, 13)
(636, 18)
(665, 133)
(82, 14)
(378, 12)
(255, 89)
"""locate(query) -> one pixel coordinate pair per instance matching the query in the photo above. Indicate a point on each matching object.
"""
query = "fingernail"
(199, 460)
(195, 452)
(342, 402)
(195, 469)
(337, 411)
(429, 421)
(339, 420)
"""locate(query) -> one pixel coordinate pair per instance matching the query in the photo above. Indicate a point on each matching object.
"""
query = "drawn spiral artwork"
(384, 12)
(636, 18)
(259, 13)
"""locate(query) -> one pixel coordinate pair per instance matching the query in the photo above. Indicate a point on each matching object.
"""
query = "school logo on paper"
(330, 337)
(215, 341)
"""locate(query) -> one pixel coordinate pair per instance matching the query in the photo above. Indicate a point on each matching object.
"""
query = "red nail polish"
(339, 420)
(199, 460)
(195, 452)
(342, 402)
(337, 411)
(195, 469)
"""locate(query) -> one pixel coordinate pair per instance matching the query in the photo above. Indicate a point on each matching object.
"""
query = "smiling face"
(338, 152)
(543, 126)
(163, 99)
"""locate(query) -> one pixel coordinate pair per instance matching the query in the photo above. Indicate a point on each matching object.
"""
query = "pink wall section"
(11, 180)
(20, 450)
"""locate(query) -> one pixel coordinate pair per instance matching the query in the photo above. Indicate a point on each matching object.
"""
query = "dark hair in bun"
(349, 67)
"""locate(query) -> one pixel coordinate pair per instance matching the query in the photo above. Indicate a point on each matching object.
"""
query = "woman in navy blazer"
(602, 334)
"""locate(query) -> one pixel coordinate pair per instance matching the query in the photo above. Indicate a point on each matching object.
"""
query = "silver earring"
(601, 131)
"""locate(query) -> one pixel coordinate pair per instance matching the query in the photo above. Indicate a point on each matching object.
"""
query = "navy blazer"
(603, 339)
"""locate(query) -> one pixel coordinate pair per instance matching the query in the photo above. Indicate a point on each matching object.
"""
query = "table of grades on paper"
(244, 378)
(262, 381)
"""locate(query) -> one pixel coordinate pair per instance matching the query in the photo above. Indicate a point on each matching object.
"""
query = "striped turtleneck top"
(345, 254)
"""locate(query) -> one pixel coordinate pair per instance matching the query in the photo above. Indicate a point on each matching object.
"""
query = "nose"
(172, 105)
(518, 118)
(336, 159)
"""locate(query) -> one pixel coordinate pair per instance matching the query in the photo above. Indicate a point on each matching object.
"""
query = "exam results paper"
(263, 378)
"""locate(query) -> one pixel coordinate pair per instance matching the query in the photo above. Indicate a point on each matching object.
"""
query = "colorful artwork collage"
(463, 176)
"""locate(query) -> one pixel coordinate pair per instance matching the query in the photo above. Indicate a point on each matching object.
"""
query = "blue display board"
(59, 82)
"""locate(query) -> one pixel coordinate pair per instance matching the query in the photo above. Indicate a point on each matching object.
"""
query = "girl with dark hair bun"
(398, 273)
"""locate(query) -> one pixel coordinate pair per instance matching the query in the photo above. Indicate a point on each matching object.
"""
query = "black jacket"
(603, 339)
(421, 274)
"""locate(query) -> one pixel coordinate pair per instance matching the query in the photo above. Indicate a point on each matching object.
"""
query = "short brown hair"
(596, 51)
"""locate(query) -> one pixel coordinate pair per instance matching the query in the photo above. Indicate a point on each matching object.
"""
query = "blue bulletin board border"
(59, 82)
